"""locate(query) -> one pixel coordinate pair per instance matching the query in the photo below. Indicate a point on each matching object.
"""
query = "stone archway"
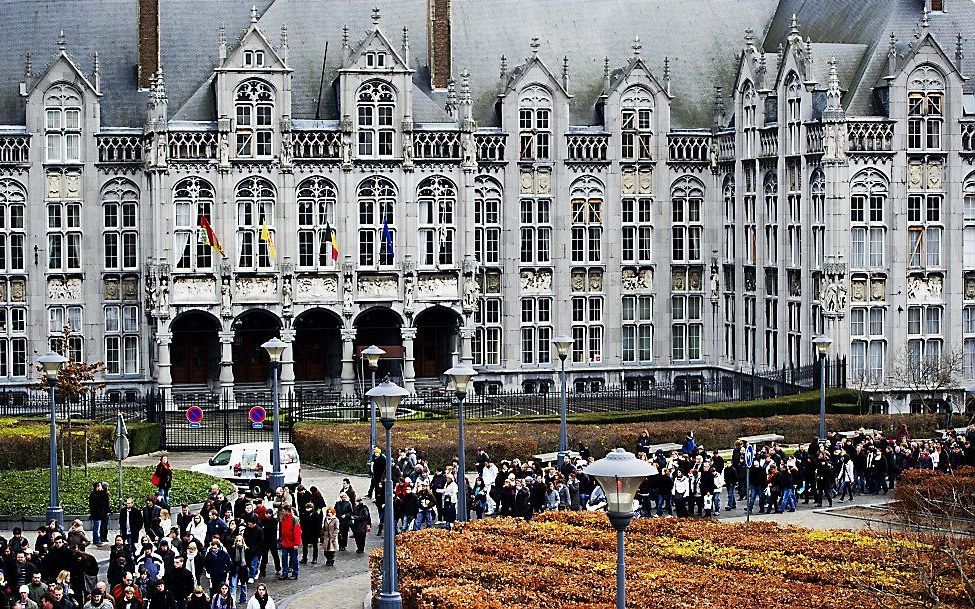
(380, 326)
(195, 350)
(436, 341)
(317, 346)
(253, 328)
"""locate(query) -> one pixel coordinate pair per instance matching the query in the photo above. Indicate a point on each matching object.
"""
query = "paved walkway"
(347, 593)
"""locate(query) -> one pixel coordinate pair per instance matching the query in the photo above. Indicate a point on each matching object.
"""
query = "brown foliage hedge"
(343, 446)
(924, 491)
(24, 444)
(567, 560)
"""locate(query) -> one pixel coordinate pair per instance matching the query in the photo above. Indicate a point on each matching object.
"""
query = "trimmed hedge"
(24, 443)
(343, 446)
(25, 493)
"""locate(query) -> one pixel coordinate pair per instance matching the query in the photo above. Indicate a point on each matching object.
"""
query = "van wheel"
(256, 489)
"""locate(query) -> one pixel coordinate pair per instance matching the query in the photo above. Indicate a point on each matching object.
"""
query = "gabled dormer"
(253, 93)
(62, 108)
(748, 103)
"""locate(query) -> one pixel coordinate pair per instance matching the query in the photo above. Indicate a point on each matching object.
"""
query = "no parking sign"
(257, 416)
(194, 415)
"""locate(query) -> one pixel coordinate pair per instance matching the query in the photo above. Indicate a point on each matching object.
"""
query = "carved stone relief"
(527, 182)
(492, 283)
(970, 288)
(317, 288)
(193, 289)
(130, 288)
(629, 181)
(543, 182)
(18, 290)
(646, 180)
(679, 281)
(60, 289)
(436, 287)
(263, 289)
(112, 289)
(695, 281)
(536, 281)
(924, 290)
(878, 289)
(935, 176)
(915, 176)
(379, 287)
(633, 280)
(858, 289)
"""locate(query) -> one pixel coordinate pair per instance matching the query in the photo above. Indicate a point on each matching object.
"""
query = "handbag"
(154, 480)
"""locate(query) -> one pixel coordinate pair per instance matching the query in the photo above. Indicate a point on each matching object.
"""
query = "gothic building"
(678, 186)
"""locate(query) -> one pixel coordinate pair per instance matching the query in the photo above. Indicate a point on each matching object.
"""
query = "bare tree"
(75, 379)
(928, 378)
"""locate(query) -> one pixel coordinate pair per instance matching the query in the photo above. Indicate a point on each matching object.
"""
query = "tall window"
(687, 197)
(730, 316)
(377, 197)
(64, 221)
(637, 124)
(536, 330)
(13, 332)
(968, 246)
(793, 114)
(66, 321)
(375, 105)
(925, 109)
(749, 121)
(486, 342)
(487, 220)
(193, 198)
(924, 334)
(924, 229)
(316, 219)
(536, 231)
(13, 199)
(687, 314)
(587, 220)
(749, 202)
(771, 319)
(120, 212)
(795, 332)
(771, 219)
(121, 339)
(637, 328)
(868, 231)
(255, 212)
(254, 109)
(968, 330)
(62, 124)
(587, 316)
(535, 124)
(868, 344)
(817, 194)
(637, 229)
(728, 196)
(794, 197)
(436, 198)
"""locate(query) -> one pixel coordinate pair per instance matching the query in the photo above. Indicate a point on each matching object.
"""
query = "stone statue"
(161, 150)
(164, 297)
(286, 148)
(471, 294)
(347, 303)
(468, 157)
(714, 282)
(829, 143)
(150, 293)
(840, 295)
(408, 288)
(347, 151)
(225, 299)
(713, 154)
(287, 299)
(828, 297)
(407, 151)
(224, 149)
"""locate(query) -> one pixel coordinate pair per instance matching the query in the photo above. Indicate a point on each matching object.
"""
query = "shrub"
(924, 492)
(22, 493)
(24, 442)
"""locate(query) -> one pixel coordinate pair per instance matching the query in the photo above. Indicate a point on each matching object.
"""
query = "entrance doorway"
(195, 350)
(380, 326)
(317, 346)
(436, 341)
(251, 330)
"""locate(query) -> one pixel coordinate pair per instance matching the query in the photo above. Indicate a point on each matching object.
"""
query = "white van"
(249, 465)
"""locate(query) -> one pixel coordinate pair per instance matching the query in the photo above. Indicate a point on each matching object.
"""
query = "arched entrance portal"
(251, 330)
(436, 341)
(317, 346)
(195, 350)
(381, 327)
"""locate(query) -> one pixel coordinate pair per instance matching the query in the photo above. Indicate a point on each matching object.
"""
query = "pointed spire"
(606, 76)
(465, 87)
(718, 107)
(451, 106)
(761, 70)
(96, 71)
(406, 45)
(222, 39)
(62, 42)
(565, 72)
(959, 54)
(667, 75)
(253, 13)
(503, 75)
(504, 66)
(750, 39)
(833, 93)
(925, 18)
(345, 36)
(160, 84)
(28, 65)
(534, 46)
(376, 16)
(809, 55)
(795, 38)
(892, 54)
(637, 46)
(284, 43)
(780, 53)
(794, 29)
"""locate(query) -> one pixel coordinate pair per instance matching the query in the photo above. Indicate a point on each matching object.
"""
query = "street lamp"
(461, 376)
(51, 365)
(562, 345)
(822, 343)
(620, 475)
(275, 349)
(372, 353)
(387, 397)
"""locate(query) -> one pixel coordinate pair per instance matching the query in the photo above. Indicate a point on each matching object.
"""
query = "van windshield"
(289, 456)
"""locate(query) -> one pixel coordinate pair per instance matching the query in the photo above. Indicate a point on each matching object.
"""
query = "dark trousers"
(329, 557)
(360, 541)
(277, 561)
(344, 534)
(304, 552)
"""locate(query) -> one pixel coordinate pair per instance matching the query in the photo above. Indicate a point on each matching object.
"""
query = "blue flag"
(387, 238)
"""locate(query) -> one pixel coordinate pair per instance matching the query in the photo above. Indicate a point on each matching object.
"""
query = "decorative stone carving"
(595, 281)
(192, 290)
(935, 176)
(409, 287)
(164, 297)
(970, 288)
(920, 289)
(629, 182)
(54, 185)
(536, 281)
(224, 149)
(3, 292)
(858, 289)
(795, 284)
(679, 281)
(467, 150)
(633, 280)
(471, 295)
(226, 304)
(878, 289)
(832, 297)
(437, 287)
(544, 183)
(261, 289)
(130, 288)
(714, 282)
(18, 290)
(72, 185)
(750, 279)
(527, 182)
(112, 289)
(318, 288)
(64, 289)
(383, 287)
(915, 176)
(646, 180)
(287, 296)
(348, 304)
(150, 287)
(578, 281)
(695, 281)
(492, 283)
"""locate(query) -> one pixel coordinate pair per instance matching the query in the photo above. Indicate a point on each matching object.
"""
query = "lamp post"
(387, 397)
(620, 475)
(562, 345)
(51, 365)
(461, 376)
(275, 349)
(372, 354)
(822, 343)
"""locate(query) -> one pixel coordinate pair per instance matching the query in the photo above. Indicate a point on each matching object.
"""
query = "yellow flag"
(266, 236)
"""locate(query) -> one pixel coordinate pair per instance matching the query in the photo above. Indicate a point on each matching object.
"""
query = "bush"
(343, 446)
(924, 492)
(24, 443)
(25, 493)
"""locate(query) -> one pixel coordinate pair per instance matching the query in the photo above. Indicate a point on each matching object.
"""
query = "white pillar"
(348, 372)
(288, 364)
(165, 380)
(227, 365)
(409, 372)
(466, 350)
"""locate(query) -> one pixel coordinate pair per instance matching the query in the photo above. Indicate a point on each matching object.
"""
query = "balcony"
(865, 136)
(814, 138)
(768, 139)
(119, 148)
(691, 147)
(436, 145)
(490, 147)
(192, 145)
(14, 149)
(317, 145)
(726, 146)
(587, 147)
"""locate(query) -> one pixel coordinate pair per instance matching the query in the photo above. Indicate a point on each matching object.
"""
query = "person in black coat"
(311, 530)
(179, 580)
(254, 540)
(151, 518)
(344, 512)
(377, 469)
(130, 523)
(269, 527)
(98, 510)
(361, 524)
(522, 501)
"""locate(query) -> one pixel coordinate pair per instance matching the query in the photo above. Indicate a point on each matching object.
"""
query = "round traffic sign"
(257, 414)
(749, 455)
(194, 414)
(121, 446)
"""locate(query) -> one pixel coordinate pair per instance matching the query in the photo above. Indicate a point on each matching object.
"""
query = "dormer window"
(375, 60)
(376, 103)
(253, 59)
(535, 124)
(62, 125)
(925, 109)
(254, 108)
(637, 124)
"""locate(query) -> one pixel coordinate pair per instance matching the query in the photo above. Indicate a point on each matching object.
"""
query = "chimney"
(439, 43)
(148, 41)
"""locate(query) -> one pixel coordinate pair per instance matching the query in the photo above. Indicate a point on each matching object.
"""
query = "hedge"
(25, 492)
(343, 446)
(24, 443)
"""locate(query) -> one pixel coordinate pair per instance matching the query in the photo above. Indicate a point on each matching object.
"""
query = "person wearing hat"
(24, 598)
(378, 470)
(98, 601)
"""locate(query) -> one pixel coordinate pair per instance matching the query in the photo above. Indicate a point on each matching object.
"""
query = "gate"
(224, 422)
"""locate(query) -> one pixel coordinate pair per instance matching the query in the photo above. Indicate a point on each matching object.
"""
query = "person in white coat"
(261, 599)
(489, 475)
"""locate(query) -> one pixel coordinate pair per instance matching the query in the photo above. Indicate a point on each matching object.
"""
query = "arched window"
(868, 197)
(535, 124)
(587, 220)
(771, 218)
(436, 198)
(120, 229)
(817, 194)
(968, 192)
(316, 221)
(254, 109)
(728, 197)
(62, 124)
(925, 108)
(375, 105)
(13, 199)
(193, 198)
(377, 229)
(487, 220)
(255, 224)
(687, 197)
(637, 124)
(793, 114)
(749, 120)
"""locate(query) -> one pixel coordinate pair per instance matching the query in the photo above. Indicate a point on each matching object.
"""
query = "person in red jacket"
(289, 539)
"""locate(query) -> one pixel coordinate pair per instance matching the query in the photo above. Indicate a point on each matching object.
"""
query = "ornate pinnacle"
(892, 46)
(451, 105)
(809, 56)
(534, 46)
(565, 67)
(925, 18)
(406, 37)
(375, 15)
(284, 35)
(794, 29)
(345, 36)
(222, 35)
(94, 60)
(959, 55)
(750, 38)
(637, 45)
(253, 13)
(28, 65)
(666, 68)
(504, 66)
(62, 41)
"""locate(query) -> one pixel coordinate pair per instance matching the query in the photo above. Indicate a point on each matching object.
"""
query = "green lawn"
(25, 493)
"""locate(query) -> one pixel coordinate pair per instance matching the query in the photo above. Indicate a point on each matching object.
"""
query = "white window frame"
(535, 124)
(687, 220)
(436, 202)
(637, 337)
(376, 202)
(488, 206)
(868, 227)
(254, 119)
(255, 199)
(375, 119)
(193, 199)
(636, 125)
(120, 225)
(13, 209)
(586, 232)
(316, 199)
(63, 124)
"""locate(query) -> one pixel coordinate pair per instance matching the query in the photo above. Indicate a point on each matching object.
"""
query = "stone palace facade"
(699, 195)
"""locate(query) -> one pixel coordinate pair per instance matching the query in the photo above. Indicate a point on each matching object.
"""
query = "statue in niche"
(471, 294)
(347, 304)
(224, 149)
(163, 297)
(287, 298)
(467, 150)
(407, 151)
(714, 282)
(225, 298)
(408, 289)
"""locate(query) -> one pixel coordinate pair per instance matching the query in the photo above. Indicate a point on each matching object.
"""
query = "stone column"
(288, 364)
(409, 373)
(348, 371)
(466, 351)
(227, 367)
(165, 379)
